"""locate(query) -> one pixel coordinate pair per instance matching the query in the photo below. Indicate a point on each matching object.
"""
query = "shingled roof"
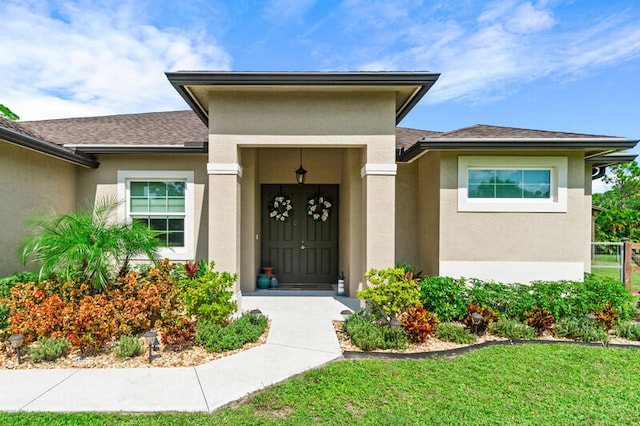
(486, 138)
(155, 128)
(184, 132)
(500, 132)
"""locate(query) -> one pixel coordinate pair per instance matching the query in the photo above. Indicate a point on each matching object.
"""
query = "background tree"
(6, 112)
(621, 215)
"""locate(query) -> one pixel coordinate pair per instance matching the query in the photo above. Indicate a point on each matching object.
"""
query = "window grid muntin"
(509, 183)
(146, 199)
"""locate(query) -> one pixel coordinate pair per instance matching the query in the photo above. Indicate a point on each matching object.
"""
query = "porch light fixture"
(150, 338)
(16, 341)
(301, 173)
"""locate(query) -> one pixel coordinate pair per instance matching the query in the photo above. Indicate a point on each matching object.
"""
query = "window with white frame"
(163, 201)
(512, 184)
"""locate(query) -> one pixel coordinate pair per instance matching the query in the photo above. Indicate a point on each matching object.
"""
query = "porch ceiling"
(196, 87)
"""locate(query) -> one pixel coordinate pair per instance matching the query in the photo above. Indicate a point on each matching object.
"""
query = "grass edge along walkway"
(528, 384)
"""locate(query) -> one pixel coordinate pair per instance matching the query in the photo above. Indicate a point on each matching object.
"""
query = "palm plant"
(86, 246)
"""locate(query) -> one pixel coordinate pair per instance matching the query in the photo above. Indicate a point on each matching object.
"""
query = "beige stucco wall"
(262, 131)
(406, 205)
(30, 182)
(101, 183)
(549, 238)
(428, 185)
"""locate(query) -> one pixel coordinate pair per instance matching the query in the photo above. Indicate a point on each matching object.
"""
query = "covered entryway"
(301, 249)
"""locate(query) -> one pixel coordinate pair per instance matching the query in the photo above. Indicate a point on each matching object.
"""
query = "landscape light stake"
(16, 341)
(395, 324)
(475, 319)
(150, 338)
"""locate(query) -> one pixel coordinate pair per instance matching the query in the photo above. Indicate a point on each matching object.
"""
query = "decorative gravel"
(162, 358)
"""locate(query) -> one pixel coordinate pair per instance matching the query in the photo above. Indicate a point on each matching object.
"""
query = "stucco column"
(224, 217)
(379, 181)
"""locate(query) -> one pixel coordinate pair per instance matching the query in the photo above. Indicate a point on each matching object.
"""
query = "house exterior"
(484, 201)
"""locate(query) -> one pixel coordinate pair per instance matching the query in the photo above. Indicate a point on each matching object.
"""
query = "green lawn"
(531, 384)
(612, 260)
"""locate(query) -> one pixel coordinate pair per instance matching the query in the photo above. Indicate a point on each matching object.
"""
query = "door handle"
(302, 247)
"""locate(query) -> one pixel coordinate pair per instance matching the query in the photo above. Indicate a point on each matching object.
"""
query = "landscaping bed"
(162, 357)
(406, 314)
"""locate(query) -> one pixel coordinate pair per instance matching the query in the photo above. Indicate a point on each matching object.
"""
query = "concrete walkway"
(301, 338)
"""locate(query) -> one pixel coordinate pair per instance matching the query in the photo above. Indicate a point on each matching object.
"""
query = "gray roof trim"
(48, 148)
(496, 144)
(180, 79)
(610, 159)
(187, 148)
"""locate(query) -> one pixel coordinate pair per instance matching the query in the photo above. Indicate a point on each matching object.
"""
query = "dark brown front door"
(301, 250)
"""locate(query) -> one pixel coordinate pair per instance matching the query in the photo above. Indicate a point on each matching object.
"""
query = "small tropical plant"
(209, 294)
(479, 323)
(86, 246)
(540, 320)
(607, 317)
(391, 293)
(418, 323)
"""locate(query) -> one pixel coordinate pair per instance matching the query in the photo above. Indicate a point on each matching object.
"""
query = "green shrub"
(391, 292)
(512, 329)
(49, 349)
(454, 332)
(498, 297)
(444, 296)
(582, 330)
(628, 330)
(208, 295)
(368, 335)
(128, 347)
(217, 338)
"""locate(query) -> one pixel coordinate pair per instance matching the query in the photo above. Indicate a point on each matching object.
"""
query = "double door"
(300, 249)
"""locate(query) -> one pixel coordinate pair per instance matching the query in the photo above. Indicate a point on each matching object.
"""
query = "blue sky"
(557, 65)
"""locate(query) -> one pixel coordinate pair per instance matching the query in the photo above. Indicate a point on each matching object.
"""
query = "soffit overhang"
(592, 147)
(197, 87)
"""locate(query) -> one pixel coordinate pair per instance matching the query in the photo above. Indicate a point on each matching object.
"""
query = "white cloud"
(483, 53)
(86, 59)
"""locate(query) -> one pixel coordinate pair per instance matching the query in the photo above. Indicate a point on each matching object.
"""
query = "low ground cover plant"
(512, 329)
(128, 347)
(582, 330)
(368, 334)
(454, 332)
(216, 337)
(50, 349)
(628, 330)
